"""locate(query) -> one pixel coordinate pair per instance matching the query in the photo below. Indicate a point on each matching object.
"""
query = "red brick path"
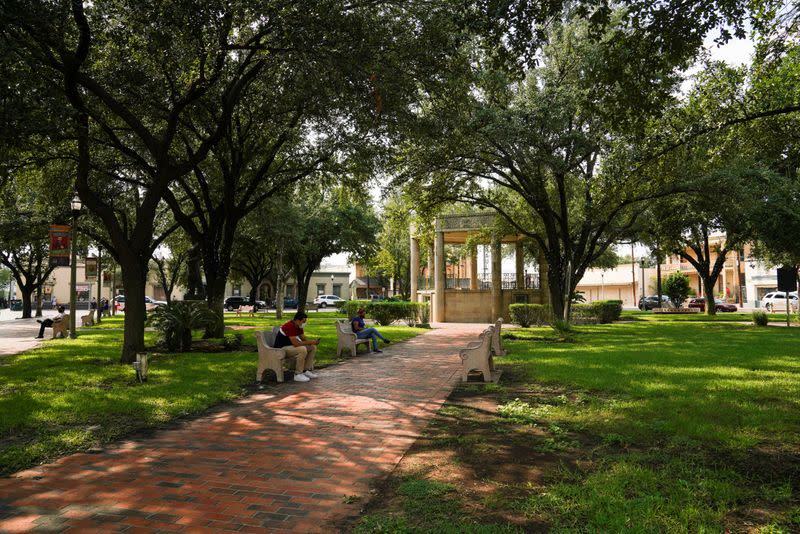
(285, 460)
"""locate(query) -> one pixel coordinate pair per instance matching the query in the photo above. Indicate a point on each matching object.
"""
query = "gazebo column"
(497, 280)
(520, 257)
(413, 276)
(473, 268)
(439, 274)
(430, 274)
(543, 284)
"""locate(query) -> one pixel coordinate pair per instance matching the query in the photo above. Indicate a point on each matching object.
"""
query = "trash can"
(15, 304)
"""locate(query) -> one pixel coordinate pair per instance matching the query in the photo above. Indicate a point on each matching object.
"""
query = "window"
(320, 289)
(290, 290)
(236, 290)
(337, 290)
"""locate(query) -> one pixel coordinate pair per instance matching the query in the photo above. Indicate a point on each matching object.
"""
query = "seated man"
(293, 339)
(47, 323)
(357, 324)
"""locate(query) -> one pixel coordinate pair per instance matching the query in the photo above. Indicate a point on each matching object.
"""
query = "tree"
(326, 223)
(677, 288)
(137, 103)
(394, 254)
(171, 266)
(542, 151)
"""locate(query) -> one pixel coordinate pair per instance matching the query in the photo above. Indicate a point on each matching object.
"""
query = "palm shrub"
(176, 322)
(760, 318)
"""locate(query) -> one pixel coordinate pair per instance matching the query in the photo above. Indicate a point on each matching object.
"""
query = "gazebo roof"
(457, 228)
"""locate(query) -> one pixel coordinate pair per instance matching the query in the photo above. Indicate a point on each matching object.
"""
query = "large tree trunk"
(133, 280)
(555, 284)
(708, 289)
(216, 302)
(302, 290)
(27, 292)
(39, 300)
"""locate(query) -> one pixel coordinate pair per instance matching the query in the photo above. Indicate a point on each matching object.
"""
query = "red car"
(722, 306)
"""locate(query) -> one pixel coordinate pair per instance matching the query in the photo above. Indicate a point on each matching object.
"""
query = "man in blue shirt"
(357, 324)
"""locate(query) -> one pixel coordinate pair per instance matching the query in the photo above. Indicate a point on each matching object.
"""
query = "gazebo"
(484, 301)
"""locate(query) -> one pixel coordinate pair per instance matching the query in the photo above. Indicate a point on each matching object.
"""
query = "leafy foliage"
(676, 287)
(177, 322)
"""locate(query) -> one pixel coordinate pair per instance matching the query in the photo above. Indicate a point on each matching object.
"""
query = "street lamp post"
(76, 210)
(331, 284)
(642, 264)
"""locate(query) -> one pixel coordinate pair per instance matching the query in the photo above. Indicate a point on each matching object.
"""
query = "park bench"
(61, 327)
(245, 309)
(348, 339)
(310, 306)
(269, 357)
(88, 319)
(478, 356)
(497, 340)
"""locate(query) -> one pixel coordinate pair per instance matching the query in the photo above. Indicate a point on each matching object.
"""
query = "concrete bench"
(61, 327)
(478, 356)
(270, 357)
(348, 339)
(245, 309)
(88, 319)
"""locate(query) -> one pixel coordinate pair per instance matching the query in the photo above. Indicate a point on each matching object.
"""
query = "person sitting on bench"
(361, 332)
(47, 323)
(292, 339)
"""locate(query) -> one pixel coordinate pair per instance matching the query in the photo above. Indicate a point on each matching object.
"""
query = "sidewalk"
(295, 458)
(16, 335)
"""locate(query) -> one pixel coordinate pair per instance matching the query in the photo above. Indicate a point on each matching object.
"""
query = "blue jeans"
(371, 333)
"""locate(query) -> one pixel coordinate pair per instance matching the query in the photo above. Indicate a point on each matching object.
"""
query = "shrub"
(177, 321)
(385, 312)
(424, 312)
(232, 341)
(528, 314)
(583, 313)
(676, 286)
(760, 318)
(350, 307)
(607, 311)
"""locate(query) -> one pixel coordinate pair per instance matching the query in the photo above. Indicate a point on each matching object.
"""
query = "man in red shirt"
(292, 338)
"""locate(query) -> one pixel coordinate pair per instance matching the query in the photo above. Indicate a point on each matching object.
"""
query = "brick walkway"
(292, 459)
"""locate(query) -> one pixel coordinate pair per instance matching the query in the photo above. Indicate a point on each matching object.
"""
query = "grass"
(652, 426)
(721, 317)
(71, 395)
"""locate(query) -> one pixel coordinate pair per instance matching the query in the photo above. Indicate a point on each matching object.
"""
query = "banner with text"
(59, 245)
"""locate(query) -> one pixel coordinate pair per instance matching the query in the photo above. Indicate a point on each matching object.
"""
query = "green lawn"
(747, 317)
(651, 426)
(70, 395)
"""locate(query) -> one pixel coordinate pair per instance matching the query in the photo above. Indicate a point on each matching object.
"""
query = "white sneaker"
(300, 377)
(309, 374)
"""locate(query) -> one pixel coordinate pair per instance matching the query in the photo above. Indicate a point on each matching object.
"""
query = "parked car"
(722, 306)
(323, 301)
(650, 302)
(233, 302)
(776, 301)
(289, 302)
(151, 300)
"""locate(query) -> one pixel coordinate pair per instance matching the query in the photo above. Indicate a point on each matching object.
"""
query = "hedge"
(599, 311)
(386, 312)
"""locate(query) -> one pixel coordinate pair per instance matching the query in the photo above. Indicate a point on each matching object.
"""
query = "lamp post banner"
(59, 244)
(90, 268)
